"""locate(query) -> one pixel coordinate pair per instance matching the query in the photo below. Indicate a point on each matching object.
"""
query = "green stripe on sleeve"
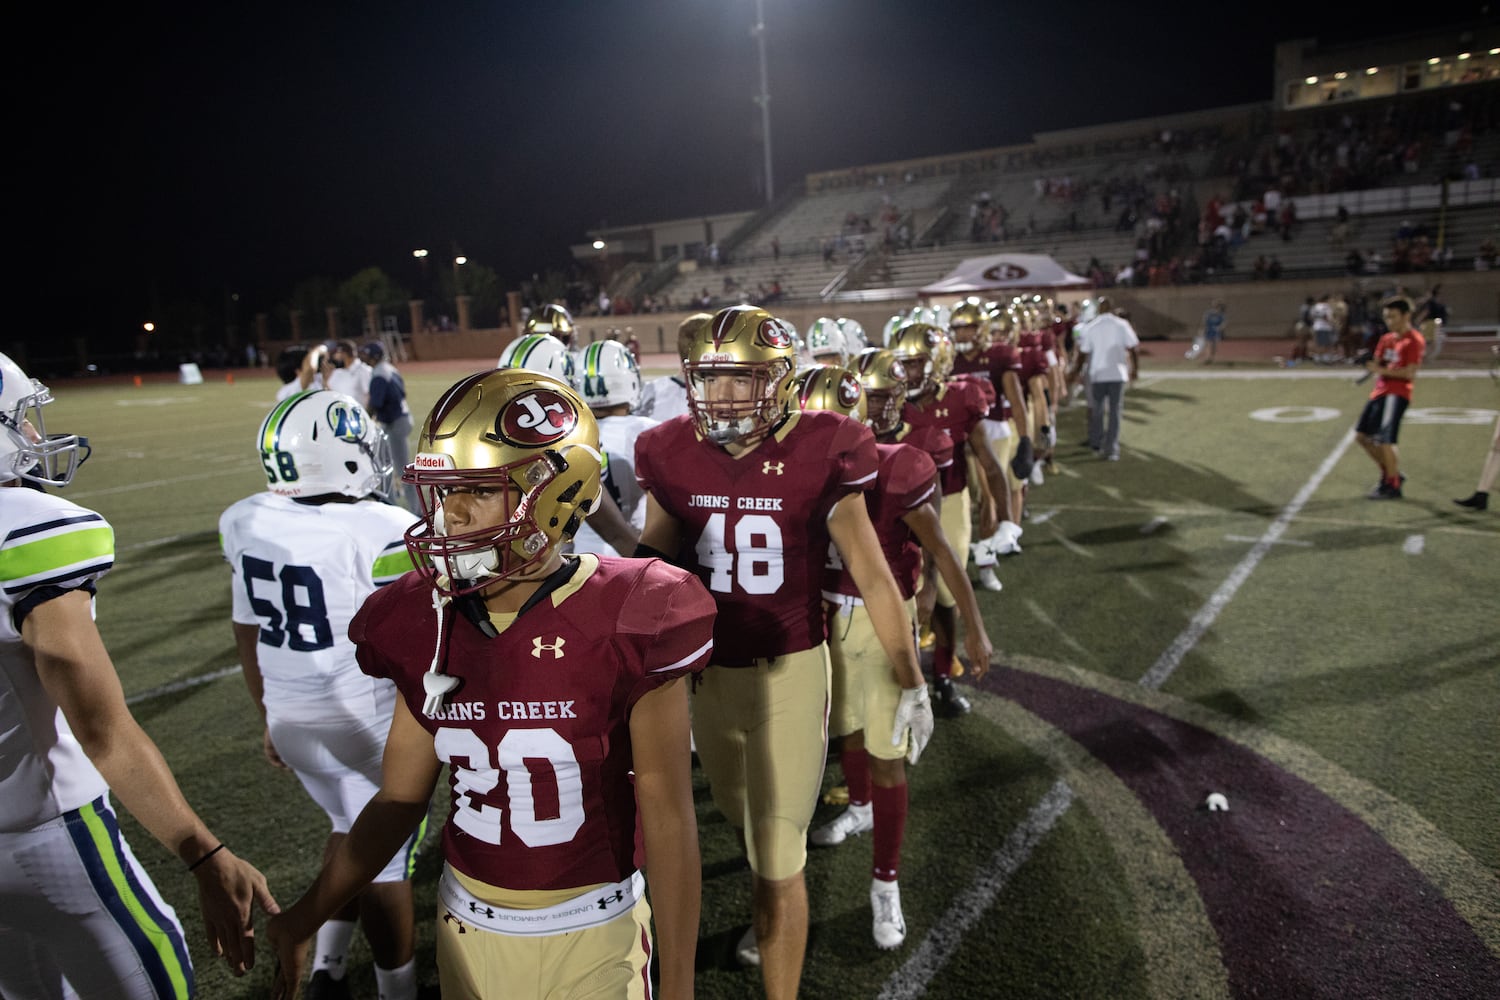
(44, 555)
(392, 564)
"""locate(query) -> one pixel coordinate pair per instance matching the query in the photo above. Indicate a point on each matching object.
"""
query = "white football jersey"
(45, 542)
(663, 398)
(617, 437)
(301, 571)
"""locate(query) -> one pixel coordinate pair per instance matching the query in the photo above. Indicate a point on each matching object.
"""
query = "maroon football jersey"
(956, 408)
(537, 733)
(907, 479)
(991, 365)
(755, 528)
(1033, 347)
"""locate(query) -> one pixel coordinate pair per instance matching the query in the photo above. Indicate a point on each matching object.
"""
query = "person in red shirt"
(1397, 357)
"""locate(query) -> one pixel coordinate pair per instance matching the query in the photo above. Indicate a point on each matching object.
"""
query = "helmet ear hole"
(353, 467)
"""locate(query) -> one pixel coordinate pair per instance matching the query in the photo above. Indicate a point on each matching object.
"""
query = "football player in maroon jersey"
(957, 408)
(977, 355)
(904, 509)
(555, 690)
(747, 492)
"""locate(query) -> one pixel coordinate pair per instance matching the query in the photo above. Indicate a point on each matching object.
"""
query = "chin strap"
(437, 684)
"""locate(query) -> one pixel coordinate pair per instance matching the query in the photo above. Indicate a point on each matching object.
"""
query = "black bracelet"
(205, 857)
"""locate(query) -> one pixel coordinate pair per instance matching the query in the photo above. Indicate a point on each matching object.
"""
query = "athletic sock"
(856, 765)
(942, 660)
(331, 950)
(397, 984)
(890, 828)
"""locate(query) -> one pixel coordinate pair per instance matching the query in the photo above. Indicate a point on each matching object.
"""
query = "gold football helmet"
(966, 323)
(882, 375)
(512, 431)
(739, 369)
(830, 387)
(927, 353)
(551, 318)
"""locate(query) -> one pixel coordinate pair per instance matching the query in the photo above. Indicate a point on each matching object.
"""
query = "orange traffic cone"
(229, 378)
(137, 380)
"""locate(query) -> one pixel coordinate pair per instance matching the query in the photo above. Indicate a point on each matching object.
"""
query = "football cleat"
(889, 925)
(322, 986)
(1384, 492)
(948, 703)
(1037, 478)
(988, 580)
(748, 950)
(1479, 501)
(852, 822)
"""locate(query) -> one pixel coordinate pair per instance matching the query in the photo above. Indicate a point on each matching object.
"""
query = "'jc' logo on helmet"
(537, 417)
(348, 423)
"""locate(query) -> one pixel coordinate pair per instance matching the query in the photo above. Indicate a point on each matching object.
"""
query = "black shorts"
(1381, 419)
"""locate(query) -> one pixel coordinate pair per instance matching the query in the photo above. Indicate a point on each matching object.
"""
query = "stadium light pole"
(758, 30)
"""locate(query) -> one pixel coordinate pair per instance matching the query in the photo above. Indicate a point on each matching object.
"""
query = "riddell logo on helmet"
(425, 461)
(535, 418)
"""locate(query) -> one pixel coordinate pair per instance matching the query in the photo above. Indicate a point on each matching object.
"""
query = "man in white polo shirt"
(1108, 349)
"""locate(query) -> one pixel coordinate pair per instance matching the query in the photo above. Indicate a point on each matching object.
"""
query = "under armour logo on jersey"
(475, 908)
(777, 467)
(616, 897)
(461, 928)
(941, 414)
(555, 648)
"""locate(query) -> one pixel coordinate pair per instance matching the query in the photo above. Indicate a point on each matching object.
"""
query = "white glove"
(914, 713)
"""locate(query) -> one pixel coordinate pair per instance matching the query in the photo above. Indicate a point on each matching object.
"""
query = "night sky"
(182, 150)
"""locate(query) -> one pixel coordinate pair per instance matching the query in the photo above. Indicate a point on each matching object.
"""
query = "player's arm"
(1135, 362)
(659, 736)
(663, 532)
(246, 640)
(76, 671)
(924, 522)
(993, 479)
(609, 521)
(850, 528)
(409, 772)
(1010, 384)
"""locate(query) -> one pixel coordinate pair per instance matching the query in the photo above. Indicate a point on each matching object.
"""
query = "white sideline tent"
(1004, 272)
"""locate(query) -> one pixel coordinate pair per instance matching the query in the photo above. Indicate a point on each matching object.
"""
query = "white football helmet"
(320, 442)
(608, 375)
(539, 352)
(826, 344)
(27, 451)
(855, 338)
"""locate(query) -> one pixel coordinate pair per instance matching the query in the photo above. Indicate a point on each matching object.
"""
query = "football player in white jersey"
(666, 397)
(610, 383)
(304, 556)
(79, 916)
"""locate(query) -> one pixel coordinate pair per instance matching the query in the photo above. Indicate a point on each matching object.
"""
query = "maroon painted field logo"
(1006, 272)
(536, 417)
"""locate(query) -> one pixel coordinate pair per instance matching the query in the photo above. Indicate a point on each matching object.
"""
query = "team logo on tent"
(1006, 272)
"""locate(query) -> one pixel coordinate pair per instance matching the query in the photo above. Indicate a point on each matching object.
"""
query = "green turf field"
(1230, 559)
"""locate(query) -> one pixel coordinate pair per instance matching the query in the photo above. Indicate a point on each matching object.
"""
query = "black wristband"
(205, 857)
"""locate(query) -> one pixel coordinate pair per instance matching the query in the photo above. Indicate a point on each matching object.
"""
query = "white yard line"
(1201, 622)
(929, 957)
(946, 936)
(1279, 541)
(182, 685)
